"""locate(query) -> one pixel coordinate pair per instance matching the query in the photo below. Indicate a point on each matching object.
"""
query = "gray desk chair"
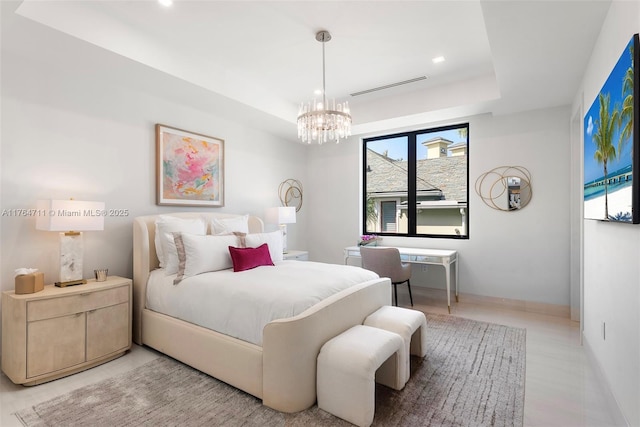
(387, 263)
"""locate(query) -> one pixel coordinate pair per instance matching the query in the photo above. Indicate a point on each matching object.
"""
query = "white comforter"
(241, 304)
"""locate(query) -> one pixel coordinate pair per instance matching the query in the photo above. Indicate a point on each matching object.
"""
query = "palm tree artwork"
(603, 138)
(626, 112)
(610, 173)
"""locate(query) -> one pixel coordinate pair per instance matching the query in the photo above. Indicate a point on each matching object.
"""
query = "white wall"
(611, 251)
(73, 127)
(516, 255)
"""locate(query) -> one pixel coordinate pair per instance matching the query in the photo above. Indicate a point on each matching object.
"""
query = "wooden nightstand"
(60, 331)
(299, 255)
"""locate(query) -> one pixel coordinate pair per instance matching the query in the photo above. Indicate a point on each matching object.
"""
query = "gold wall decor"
(290, 193)
(505, 188)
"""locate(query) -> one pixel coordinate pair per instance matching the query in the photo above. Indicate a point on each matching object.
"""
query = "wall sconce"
(71, 218)
(282, 216)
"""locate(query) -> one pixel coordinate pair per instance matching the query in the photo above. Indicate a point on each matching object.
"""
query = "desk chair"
(386, 262)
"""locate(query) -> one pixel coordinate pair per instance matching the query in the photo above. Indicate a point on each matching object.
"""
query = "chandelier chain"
(324, 86)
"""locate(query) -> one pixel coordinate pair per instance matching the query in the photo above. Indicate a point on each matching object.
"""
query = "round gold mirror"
(505, 188)
(290, 193)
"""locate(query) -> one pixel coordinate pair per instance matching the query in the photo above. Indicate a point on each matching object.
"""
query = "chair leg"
(395, 293)
(410, 297)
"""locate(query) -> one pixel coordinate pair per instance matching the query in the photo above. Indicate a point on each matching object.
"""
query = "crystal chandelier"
(319, 121)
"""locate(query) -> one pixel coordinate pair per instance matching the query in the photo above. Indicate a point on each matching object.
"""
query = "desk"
(441, 257)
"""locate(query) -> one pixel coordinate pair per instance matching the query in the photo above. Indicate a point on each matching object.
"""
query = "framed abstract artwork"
(612, 144)
(189, 168)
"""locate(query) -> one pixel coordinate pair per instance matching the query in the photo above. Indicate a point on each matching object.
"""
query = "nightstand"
(60, 331)
(299, 255)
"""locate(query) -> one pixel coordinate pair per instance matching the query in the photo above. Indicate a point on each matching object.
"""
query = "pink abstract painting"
(190, 168)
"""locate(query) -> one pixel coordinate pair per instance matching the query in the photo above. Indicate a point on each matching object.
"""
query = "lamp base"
(283, 229)
(71, 250)
(71, 283)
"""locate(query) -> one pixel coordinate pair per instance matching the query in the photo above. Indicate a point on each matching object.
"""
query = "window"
(417, 183)
(388, 216)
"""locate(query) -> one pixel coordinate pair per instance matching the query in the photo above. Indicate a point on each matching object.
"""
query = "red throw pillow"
(248, 258)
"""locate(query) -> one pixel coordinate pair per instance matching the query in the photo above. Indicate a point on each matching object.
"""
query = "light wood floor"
(561, 387)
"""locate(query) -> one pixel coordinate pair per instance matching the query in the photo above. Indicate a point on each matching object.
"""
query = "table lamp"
(282, 216)
(71, 218)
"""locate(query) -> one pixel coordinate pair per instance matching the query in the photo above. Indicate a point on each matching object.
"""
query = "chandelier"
(319, 121)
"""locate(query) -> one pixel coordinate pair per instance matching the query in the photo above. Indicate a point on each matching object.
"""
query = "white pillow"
(199, 254)
(273, 240)
(163, 219)
(165, 246)
(238, 224)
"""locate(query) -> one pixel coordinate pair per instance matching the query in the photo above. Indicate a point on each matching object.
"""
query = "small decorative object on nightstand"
(28, 281)
(298, 255)
(101, 274)
(60, 331)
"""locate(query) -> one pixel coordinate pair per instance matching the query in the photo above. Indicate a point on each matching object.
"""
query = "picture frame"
(612, 144)
(189, 168)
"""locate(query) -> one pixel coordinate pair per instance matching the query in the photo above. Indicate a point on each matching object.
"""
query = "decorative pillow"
(165, 246)
(199, 254)
(273, 240)
(248, 258)
(229, 225)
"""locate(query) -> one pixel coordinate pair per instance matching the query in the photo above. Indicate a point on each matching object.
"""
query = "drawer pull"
(91, 311)
(79, 314)
(85, 295)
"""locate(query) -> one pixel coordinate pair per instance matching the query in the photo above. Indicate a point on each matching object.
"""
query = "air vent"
(375, 89)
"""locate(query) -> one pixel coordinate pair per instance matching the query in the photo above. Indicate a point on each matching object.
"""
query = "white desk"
(422, 256)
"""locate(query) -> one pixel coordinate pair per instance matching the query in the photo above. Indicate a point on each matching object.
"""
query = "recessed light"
(317, 92)
(438, 59)
(165, 3)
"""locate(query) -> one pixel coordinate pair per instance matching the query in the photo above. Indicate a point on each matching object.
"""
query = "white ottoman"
(347, 366)
(411, 325)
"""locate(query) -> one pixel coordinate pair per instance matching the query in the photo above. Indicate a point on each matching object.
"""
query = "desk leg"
(457, 280)
(447, 270)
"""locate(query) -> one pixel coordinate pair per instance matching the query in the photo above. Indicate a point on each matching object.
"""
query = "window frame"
(412, 196)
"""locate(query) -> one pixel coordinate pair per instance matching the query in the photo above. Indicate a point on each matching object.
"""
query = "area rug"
(473, 375)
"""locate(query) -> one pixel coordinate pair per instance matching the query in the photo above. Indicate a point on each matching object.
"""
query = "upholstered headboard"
(145, 258)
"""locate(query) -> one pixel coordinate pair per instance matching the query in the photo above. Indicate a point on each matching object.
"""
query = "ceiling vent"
(389, 86)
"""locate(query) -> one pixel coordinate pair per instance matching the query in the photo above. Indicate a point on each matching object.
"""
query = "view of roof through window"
(416, 183)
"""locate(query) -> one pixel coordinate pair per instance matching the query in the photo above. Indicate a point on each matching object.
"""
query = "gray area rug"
(473, 375)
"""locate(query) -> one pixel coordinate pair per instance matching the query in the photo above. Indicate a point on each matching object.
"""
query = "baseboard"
(616, 411)
(503, 303)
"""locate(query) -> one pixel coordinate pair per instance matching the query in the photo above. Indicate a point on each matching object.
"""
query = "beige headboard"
(145, 259)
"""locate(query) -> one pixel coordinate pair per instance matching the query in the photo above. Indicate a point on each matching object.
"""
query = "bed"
(281, 368)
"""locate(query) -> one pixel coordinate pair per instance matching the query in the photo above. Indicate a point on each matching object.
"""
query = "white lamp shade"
(70, 215)
(281, 215)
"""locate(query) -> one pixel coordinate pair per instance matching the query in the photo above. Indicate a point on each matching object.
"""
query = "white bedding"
(241, 304)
